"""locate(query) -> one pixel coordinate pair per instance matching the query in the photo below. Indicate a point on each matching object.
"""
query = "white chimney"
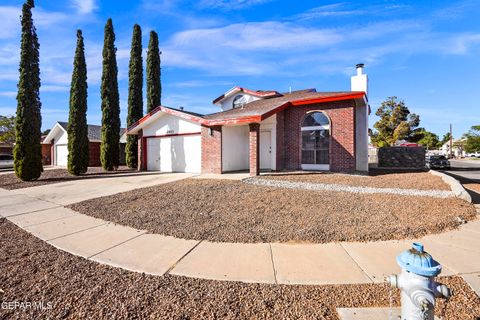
(360, 81)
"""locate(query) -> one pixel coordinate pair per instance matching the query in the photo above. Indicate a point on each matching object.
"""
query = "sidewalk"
(332, 263)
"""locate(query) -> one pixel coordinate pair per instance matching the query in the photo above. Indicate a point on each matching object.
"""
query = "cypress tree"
(110, 148)
(135, 94)
(77, 122)
(154, 86)
(27, 152)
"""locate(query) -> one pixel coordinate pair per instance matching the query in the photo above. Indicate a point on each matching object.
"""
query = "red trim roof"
(222, 118)
(259, 93)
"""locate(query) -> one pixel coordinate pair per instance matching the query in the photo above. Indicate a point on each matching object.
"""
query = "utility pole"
(451, 142)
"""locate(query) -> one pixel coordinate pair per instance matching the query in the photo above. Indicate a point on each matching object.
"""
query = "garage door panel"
(174, 154)
(61, 155)
(153, 154)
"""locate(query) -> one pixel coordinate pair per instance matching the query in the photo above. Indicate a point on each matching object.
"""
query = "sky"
(424, 52)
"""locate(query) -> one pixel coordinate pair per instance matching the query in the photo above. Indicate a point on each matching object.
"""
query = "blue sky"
(425, 52)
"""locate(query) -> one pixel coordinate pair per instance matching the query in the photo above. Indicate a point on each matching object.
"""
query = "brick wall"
(342, 135)
(280, 156)
(212, 149)
(401, 157)
(46, 154)
(254, 148)
(94, 154)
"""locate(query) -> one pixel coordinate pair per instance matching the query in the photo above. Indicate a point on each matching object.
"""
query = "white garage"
(180, 153)
(61, 155)
(57, 138)
(171, 141)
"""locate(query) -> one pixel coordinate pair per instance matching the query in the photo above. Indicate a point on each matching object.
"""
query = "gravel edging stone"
(344, 188)
(454, 184)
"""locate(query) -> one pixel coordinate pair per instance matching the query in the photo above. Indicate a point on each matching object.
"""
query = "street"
(467, 172)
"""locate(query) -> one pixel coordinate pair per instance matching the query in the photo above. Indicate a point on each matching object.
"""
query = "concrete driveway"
(66, 193)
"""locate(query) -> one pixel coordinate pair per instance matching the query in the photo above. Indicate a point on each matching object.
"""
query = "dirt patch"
(75, 288)
(376, 179)
(11, 182)
(231, 211)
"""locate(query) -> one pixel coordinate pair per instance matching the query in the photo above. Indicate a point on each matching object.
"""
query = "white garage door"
(61, 155)
(174, 154)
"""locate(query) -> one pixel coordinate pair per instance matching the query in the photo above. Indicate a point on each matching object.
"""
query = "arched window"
(315, 129)
(239, 101)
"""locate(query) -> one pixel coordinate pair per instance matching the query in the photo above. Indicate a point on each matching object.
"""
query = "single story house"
(54, 145)
(261, 130)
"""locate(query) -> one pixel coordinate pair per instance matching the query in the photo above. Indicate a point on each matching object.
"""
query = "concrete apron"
(275, 263)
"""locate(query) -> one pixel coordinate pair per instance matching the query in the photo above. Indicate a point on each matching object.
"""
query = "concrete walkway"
(42, 214)
(69, 192)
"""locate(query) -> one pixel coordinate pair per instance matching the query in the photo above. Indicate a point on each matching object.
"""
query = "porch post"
(254, 147)
(142, 152)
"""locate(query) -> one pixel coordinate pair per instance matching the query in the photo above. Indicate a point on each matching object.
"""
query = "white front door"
(265, 150)
(61, 155)
(153, 154)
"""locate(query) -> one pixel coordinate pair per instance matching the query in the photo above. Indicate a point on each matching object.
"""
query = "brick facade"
(342, 135)
(254, 148)
(47, 154)
(94, 154)
(212, 149)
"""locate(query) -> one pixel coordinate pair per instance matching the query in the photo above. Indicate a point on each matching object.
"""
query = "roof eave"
(140, 124)
(52, 133)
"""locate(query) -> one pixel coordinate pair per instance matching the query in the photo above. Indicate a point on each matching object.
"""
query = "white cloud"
(84, 6)
(268, 35)
(201, 83)
(9, 94)
(10, 22)
(230, 4)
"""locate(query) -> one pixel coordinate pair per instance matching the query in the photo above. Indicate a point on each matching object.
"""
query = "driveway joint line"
(36, 224)
(273, 264)
(118, 244)
(356, 262)
(69, 234)
(182, 257)
(34, 211)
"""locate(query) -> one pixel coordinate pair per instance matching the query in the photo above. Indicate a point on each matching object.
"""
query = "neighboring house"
(457, 148)
(261, 130)
(57, 140)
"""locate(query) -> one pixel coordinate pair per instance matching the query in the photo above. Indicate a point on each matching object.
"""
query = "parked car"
(437, 162)
(6, 161)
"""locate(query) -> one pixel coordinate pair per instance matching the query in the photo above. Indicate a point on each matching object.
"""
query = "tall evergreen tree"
(135, 94)
(154, 86)
(27, 152)
(77, 122)
(110, 148)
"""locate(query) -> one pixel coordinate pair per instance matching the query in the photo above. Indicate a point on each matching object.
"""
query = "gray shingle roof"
(94, 131)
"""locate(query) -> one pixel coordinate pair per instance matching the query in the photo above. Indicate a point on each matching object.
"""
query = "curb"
(454, 184)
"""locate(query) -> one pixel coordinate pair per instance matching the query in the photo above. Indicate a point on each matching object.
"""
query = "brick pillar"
(142, 152)
(212, 149)
(254, 147)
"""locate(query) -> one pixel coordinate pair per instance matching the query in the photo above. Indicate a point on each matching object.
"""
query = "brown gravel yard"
(71, 287)
(11, 182)
(231, 211)
(376, 179)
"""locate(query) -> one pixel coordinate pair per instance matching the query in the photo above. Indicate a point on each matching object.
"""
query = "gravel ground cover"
(232, 211)
(376, 179)
(346, 188)
(11, 182)
(71, 287)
